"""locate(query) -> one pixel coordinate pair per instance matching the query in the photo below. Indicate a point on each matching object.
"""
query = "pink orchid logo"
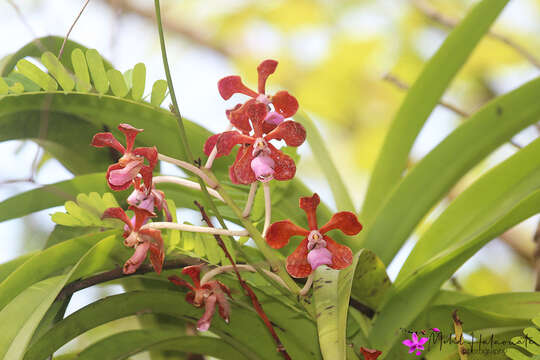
(415, 344)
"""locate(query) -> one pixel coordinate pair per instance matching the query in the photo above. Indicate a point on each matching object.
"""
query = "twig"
(251, 198)
(458, 329)
(193, 228)
(445, 20)
(117, 273)
(189, 167)
(239, 267)
(71, 28)
(256, 304)
(185, 183)
(400, 84)
(267, 207)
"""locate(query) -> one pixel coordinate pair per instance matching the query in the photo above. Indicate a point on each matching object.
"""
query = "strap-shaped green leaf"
(35, 74)
(118, 84)
(17, 88)
(422, 98)
(4, 88)
(81, 70)
(58, 70)
(97, 71)
(138, 77)
(158, 92)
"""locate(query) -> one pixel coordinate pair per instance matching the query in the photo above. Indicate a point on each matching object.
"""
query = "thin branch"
(193, 228)
(189, 167)
(251, 199)
(458, 329)
(239, 267)
(71, 28)
(117, 273)
(184, 182)
(267, 207)
(450, 22)
(400, 84)
(249, 292)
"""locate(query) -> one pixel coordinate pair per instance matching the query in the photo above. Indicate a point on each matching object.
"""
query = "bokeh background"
(335, 56)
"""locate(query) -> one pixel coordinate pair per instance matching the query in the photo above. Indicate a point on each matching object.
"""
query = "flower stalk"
(189, 167)
(185, 183)
(250, 200)
(193, 228)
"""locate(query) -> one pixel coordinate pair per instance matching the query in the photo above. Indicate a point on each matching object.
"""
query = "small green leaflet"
(87, 211)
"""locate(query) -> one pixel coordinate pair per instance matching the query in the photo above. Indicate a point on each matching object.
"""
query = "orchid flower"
(142, 240)
(121, 174)
(285, 105)
(317, 248)
(144, 199)
(257, 158)
(415, 344)
(208, 295)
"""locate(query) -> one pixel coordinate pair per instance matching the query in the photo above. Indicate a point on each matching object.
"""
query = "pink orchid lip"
(137, 259)
(263, 167)
(122, 176)
(318, 257)
(274, 118)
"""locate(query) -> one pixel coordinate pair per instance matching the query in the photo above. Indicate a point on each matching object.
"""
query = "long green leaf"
(422, 98)
(434, 176)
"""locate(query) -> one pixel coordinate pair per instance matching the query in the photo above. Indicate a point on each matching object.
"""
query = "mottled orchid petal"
(230, 85)
(230, 139)
(107, 140)
(209, 308)
(141, 216)
(223, 305)
(117, 213)
(284, 168)
(239, 117)
(137, 259)
(130, 132)
(194, 272)
(345, 221)
(146, 173)
(161, 204)
(180, 282)
(267, 127)
(210, 144)
(297, 263)
(274, 118)
(279, 233)
(157, 254)
(341, 255)
(240, 170)
(263, 167)
(309, 205)
(257, 113)
(285, 103)
(370, 354)
(265, 69)
(318, 257)
(292, 132)
(120, 178)
(150, 153)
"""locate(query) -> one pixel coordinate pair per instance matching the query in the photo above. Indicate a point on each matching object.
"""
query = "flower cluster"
(135, 167)
(256, 125)
(317, 248)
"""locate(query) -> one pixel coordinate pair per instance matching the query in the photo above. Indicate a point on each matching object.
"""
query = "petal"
(263, 167)
(223, 305)
(209, 308)
(284, 168)
(147, 175)
(150, 153)
(240, 171)
(257, 112)
(120, 177)
(137, 259)
(141, 216)
(267, 127)
(239, 117)
(180, 282)
(407, 342)
(285, 103)
(274, 118)
(292, 132)
(297, 264)
(107, 139)
(318, 257)
(265, 69)
(194, 272)
(117, 213)
(341, 255)
(418, 352)
(370, 354)
(229, 139)
(210, 144)
(160, 203)
(279, 233)
(436, 329)
(423, 341)
(309, 205)
(230, 85)
(414, 338)
(130, 132)
(157, 255)
(345, 221)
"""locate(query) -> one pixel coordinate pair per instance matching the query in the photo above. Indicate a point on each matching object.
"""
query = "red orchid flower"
(257, 158)
(370, 354)
(207, 295)
(140, 239)
(144, 199)
(317, 248)
(285, 105)
(120, 175)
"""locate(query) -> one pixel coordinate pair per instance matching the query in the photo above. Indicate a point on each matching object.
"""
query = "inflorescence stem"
(267, 207)
(183, 182)
(189, 167)
(193, 228)
(240, 267)
(251, 198)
